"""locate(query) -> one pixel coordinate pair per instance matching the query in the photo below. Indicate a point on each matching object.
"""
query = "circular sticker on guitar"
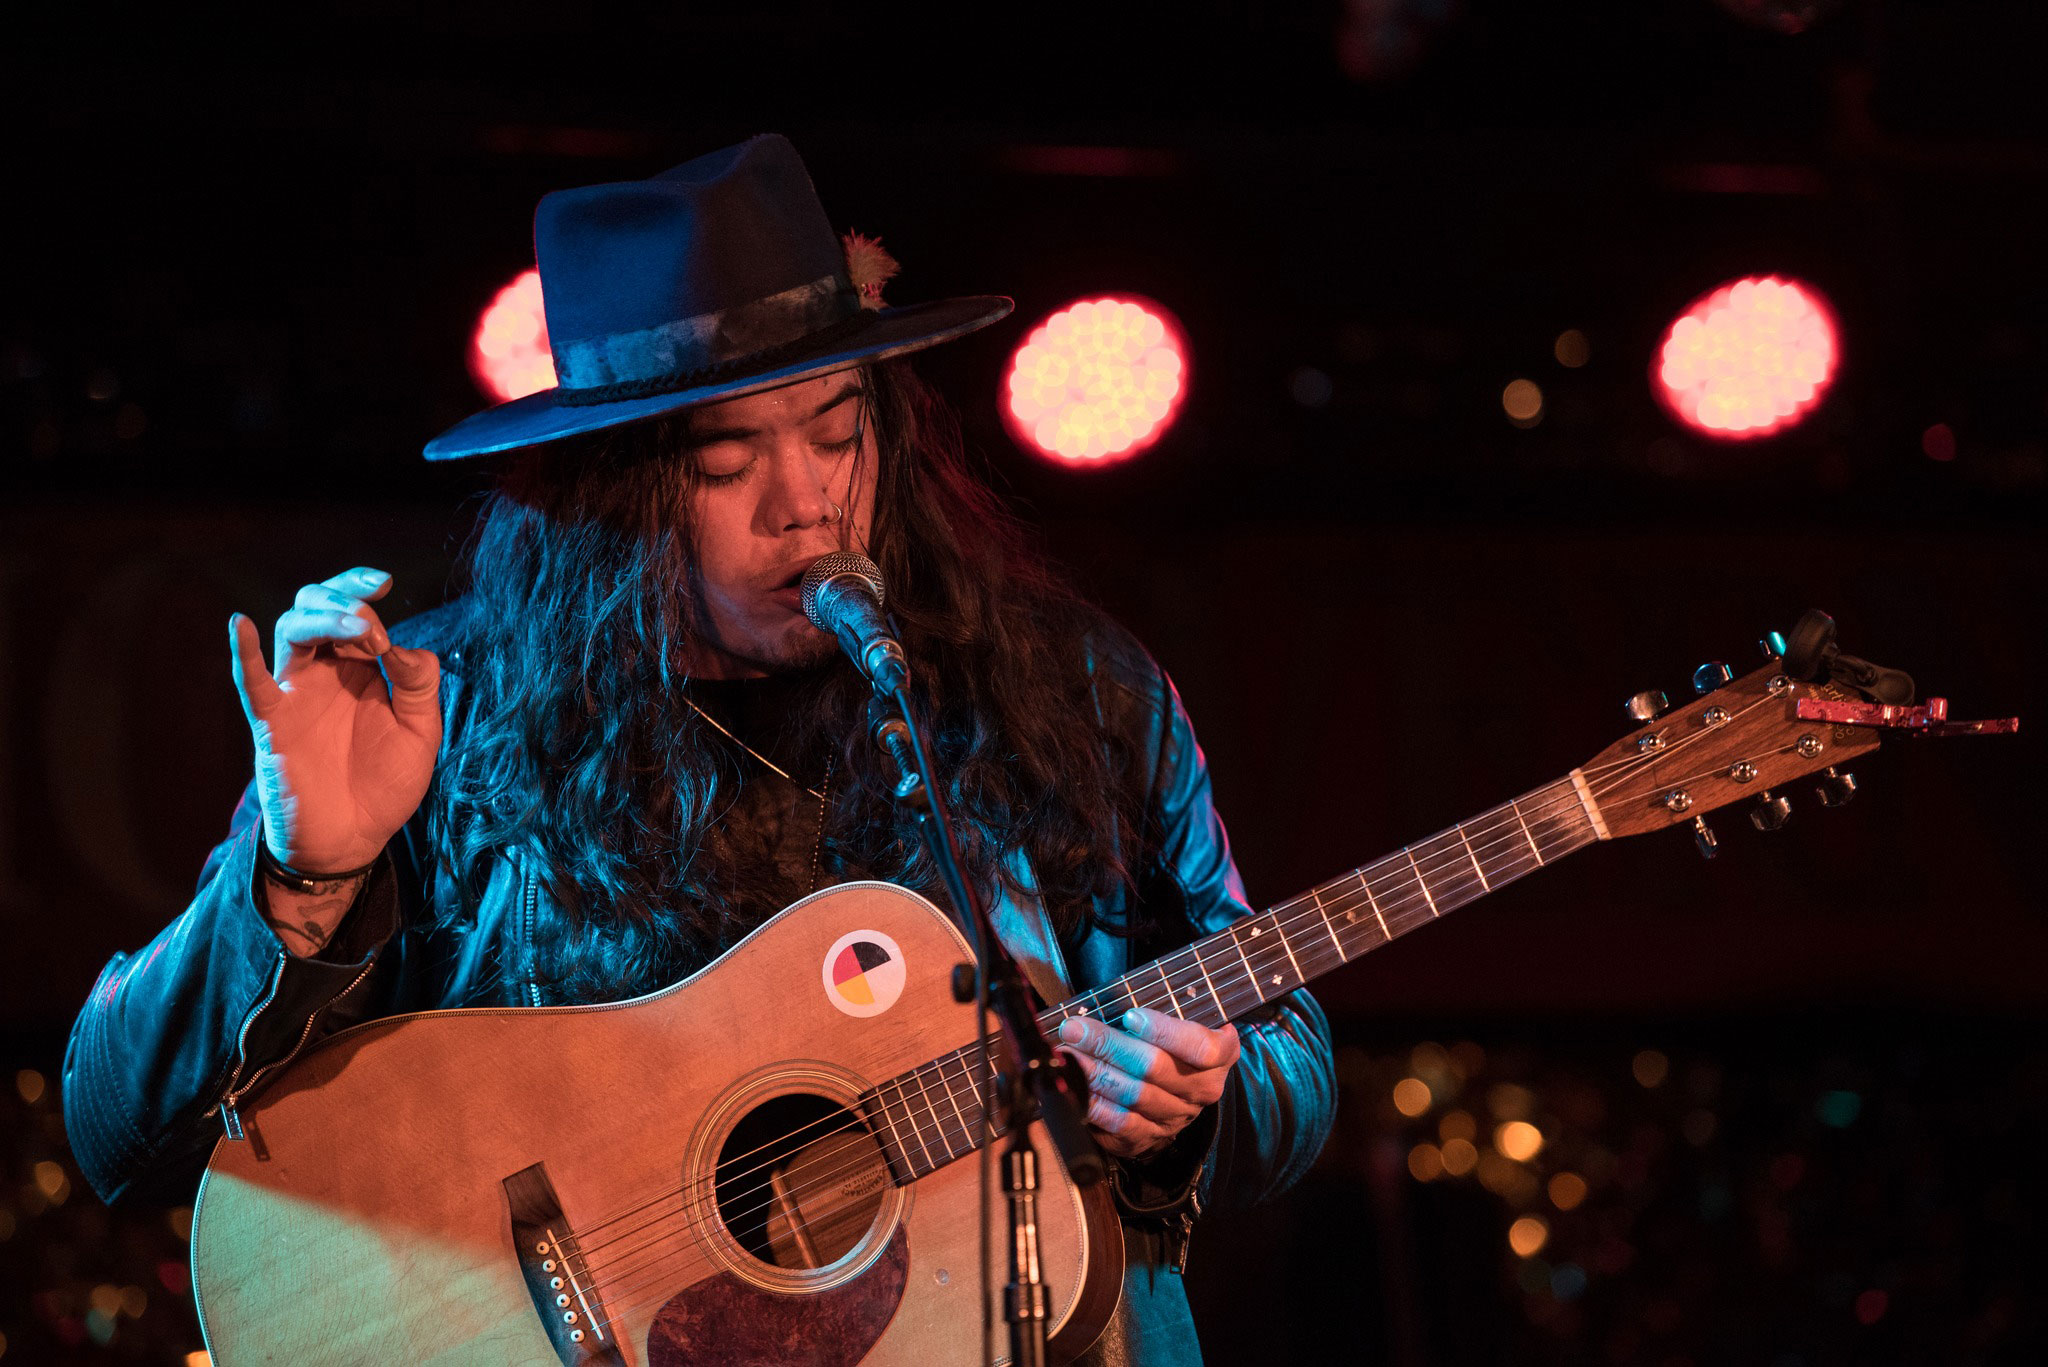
(863, 973)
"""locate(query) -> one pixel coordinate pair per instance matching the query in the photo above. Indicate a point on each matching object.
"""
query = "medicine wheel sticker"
(864, 973)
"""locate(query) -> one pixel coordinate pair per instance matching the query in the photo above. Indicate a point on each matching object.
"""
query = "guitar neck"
(1239, 969)
(932, 1115)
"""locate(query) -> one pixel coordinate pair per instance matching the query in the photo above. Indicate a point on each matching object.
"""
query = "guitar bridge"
(556, 1276)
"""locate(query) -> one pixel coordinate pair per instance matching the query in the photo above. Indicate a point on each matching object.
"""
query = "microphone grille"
(833, 565)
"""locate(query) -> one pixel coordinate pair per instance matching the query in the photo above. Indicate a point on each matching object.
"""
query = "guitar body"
(403, 1186)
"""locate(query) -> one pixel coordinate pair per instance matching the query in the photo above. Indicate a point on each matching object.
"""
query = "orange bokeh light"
(1748, 359)
(1528, 1235)
(1097, 382)
(508, 353)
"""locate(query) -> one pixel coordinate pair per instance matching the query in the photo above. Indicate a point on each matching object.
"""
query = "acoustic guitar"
(769, 1161)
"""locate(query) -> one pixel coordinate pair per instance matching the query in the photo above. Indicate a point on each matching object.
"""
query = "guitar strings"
(1405, 902)
(1563, 800)
(620, 1281)
(623, 1281)
(1052, 1015)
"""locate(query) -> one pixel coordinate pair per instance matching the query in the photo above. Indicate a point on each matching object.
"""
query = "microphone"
(842, 594)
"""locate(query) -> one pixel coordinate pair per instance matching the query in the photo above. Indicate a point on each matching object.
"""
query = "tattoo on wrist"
(309, 919)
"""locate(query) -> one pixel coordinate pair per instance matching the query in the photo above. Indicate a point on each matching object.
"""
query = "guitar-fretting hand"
(1148, 1080)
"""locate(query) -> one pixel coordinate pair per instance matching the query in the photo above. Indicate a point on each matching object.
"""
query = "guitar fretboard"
(932, 1115)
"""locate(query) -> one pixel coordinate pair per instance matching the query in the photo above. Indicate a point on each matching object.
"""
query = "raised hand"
(346, 732)
(1149, 1079)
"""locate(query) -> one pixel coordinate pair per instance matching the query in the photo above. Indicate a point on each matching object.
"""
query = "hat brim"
(538, 418)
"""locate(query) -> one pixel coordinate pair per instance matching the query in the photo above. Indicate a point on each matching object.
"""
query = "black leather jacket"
(178, 1037)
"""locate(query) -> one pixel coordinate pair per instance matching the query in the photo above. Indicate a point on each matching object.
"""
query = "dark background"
(241, 266)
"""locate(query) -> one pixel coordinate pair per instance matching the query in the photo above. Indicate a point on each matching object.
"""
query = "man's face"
(772, 467)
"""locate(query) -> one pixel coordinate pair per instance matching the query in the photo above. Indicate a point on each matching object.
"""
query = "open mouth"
(795, 577)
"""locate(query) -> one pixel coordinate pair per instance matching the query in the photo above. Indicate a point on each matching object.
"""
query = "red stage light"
(1748, 359)
(509, 353)
(1097, 382)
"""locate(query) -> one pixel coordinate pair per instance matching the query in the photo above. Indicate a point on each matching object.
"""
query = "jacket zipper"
(230, 1116)
(529, 896)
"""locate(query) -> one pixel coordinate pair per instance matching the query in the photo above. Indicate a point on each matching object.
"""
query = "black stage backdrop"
(1801, 1087)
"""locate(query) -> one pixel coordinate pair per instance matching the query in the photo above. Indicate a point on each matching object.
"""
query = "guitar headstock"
(1808, 711)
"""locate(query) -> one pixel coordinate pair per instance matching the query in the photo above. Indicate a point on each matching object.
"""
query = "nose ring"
(833, 516)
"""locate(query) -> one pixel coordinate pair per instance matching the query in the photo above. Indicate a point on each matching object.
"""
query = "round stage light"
(508, 353)
(1097, 382)
(1748, 359)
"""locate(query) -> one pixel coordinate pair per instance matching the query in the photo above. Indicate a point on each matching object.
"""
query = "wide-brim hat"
(717, 278)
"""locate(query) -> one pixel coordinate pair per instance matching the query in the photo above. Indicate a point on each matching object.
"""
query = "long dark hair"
(579, 753)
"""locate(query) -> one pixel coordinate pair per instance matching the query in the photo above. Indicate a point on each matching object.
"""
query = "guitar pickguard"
(726, 1320)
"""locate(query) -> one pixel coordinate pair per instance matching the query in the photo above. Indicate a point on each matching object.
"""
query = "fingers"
(334, 612)
(1188, 1059)
(318, 598)
(1127, 1133)
(1131, 1117)
(367, 584)
(1195, 1045)
(259, 692)
(1116, 1088)
(415, 678)
(300, 632)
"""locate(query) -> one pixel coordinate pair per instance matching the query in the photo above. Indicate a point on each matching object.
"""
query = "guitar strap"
(1026, 931)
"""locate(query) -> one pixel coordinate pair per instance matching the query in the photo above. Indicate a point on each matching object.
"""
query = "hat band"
(705, 347)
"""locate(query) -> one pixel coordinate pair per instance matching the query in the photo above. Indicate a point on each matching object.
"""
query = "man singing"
(623, 747)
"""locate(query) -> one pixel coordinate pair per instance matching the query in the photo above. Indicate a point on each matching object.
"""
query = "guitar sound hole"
(800, 1181)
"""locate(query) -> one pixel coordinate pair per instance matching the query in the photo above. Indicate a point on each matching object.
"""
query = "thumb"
(415, 676)
(245, 659)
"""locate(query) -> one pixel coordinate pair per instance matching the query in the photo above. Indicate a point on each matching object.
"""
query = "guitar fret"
(971, 1114)
(1419, 882)
(1203, 969)
(1159, 967)
(1299, 976)
(1564, 819)
(924, 1087)
(1516, 808)
(1399, 902)
(977, 1114)
(966, 1130)
(1250, 974)
(1481, 833)
(889, 1120)
(1374, 903)
(1328, 928)
(890, 1115)
(1474, 858)
(1512, 860)
(960, 1107)
(916, 1129)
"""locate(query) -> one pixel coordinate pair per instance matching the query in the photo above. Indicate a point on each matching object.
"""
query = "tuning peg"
(1703, 838)
(1645, 706)
(1772, 645)
(1711, 676)
(1771, 812)
(1836, 789)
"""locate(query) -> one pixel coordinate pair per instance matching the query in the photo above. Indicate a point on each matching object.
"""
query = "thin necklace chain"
(756, 753)
(818, 845)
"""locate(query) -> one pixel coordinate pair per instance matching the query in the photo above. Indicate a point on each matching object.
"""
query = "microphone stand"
(1038, 1084)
